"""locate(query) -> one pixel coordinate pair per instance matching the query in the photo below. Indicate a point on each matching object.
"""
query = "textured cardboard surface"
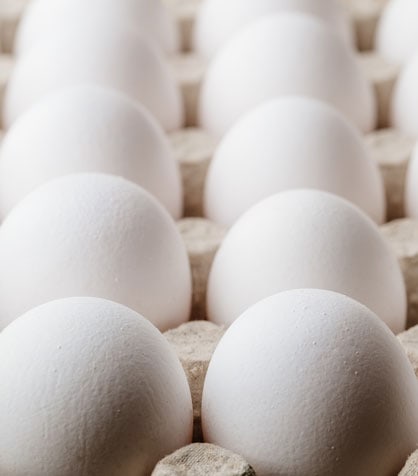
(403, 236)
(189, 70)
(203, 460)
(184, 11)
(411, 467)
(193, 148)
(10, 13)
(382, 76)
(194, 343)
(365, 15)
(202, 239)
(392, 151)
(6, 66)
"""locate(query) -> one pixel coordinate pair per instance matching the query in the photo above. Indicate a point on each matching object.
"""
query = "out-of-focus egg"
(404, 107)
(88, 129)
(104, 54)
(90, 387)
(305, 239)
(397, 32)
(291, 142)
(411, 187)
(311, 382)
(217, 20)
(45, 19)
(94, 235)
(284, 54)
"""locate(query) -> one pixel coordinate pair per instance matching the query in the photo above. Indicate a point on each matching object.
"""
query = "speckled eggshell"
(94, 235)
(404, 106)
(317, 385)
(218, 21)
(397, 32)
(105, 54)
(305, 239)
(90, 388)
(44, 19)
(411, 186)
(88, 129)
(280, 55)
(291, 142)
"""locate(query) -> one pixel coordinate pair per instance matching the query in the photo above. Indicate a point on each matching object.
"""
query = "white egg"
(280, 55)
(105, 55)
(411, 186)
(218, 21)
(94, 235)
(311, 382)
(404, 106)
(291, 142)
(88, 129)
(90, 387)
(45, 19)
(305, 239)
(397, 32)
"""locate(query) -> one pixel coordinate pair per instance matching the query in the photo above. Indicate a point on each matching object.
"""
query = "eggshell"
(88, 129)
(404, 107)
(92, 389)
(284, 54)
(311, 382)
(98, 53)
(291, 142)
(218, 21)
(397, 32)
(44, 19)
(411, 187)
(305, 239)
(94, 235)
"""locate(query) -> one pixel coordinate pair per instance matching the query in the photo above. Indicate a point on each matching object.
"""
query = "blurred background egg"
(284, 54)
(305, 239)
(397, 32)
(91, 387)
(44, 20)
(88, 129)
(291, 142)
(311, 382)
(218, 21)
(404, 104)
(105, 54)
(94, 235)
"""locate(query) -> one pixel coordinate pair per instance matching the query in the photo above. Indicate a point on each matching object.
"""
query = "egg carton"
(195, 341)
(365, 15)
(194, 148)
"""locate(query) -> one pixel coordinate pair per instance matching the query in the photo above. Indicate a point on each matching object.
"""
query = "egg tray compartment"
(195, 341)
